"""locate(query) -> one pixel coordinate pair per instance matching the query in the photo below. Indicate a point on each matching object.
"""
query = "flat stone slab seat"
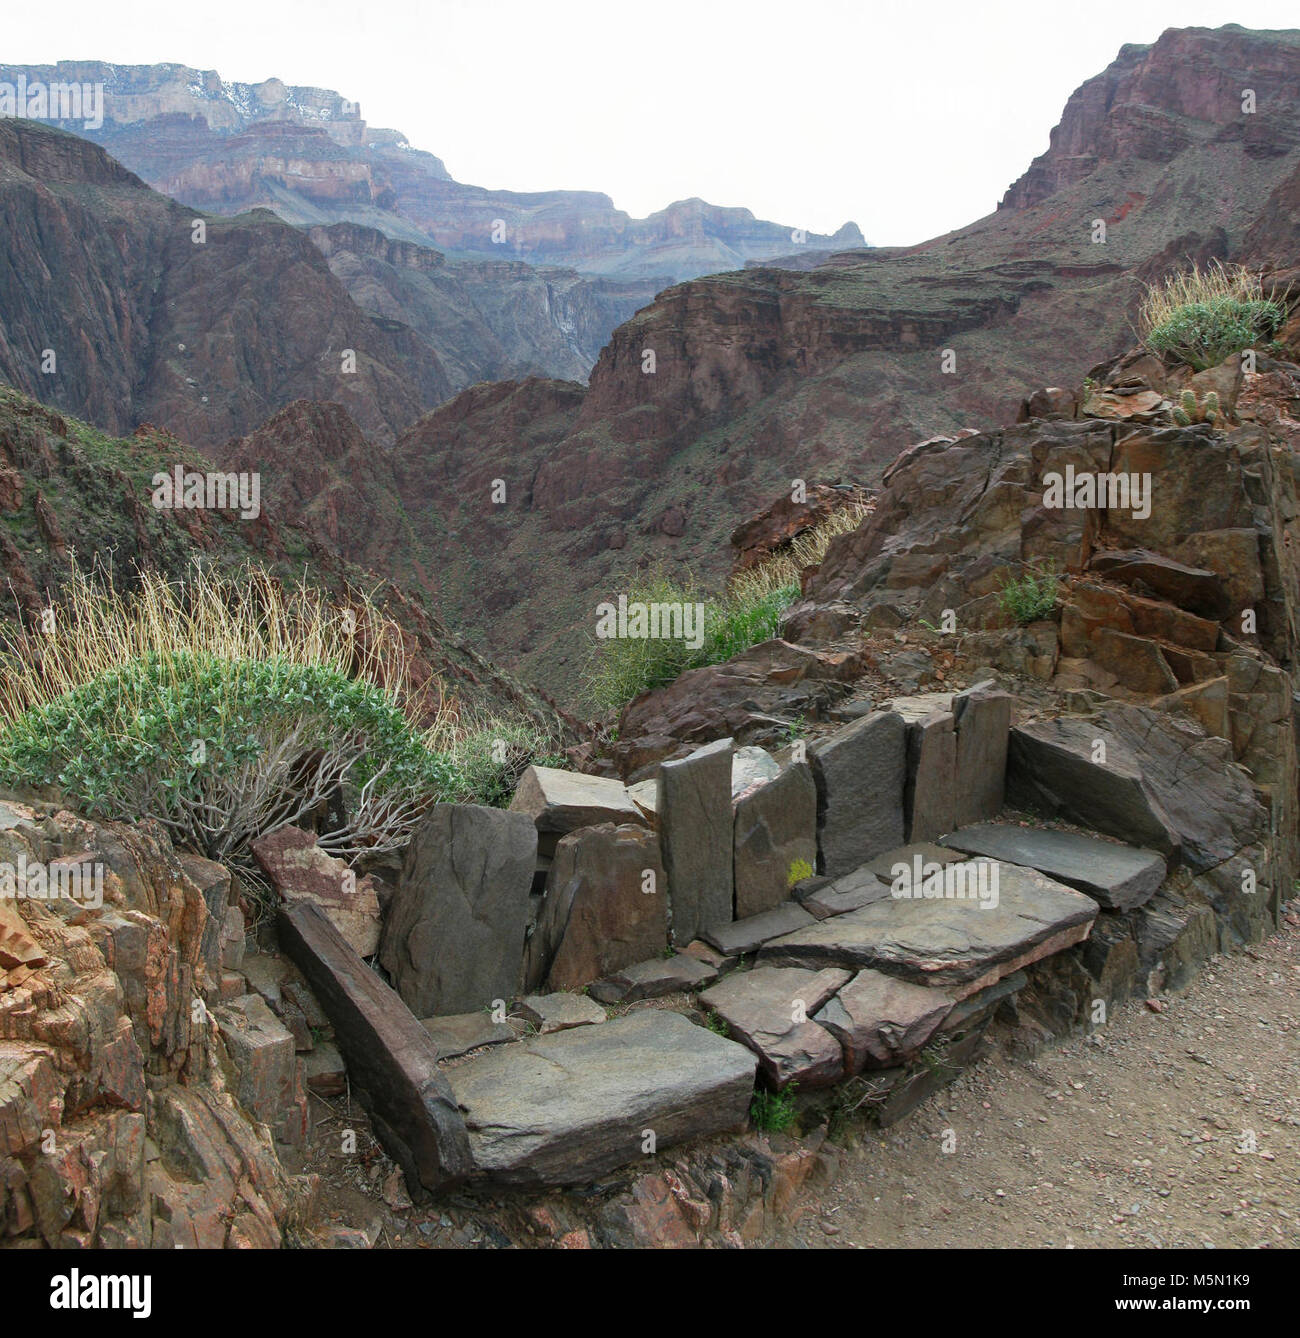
(1119, 877)
(567, 1108)
(770, 1009)
(748, 935)
(948, 941)
(872, 880)
(654, 979)
(392, 1059)
(881, 1020)
(838, 896)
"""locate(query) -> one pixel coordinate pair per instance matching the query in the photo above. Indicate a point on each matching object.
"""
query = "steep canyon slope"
(766, 375)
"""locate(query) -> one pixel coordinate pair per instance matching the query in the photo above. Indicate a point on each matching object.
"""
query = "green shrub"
(1031, 596)
(221, 751)
(621, 668)
(1203, 334)
(487, 761)
(773, 1112)
(1201, 318)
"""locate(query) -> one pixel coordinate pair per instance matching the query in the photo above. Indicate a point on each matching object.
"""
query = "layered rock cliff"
(113, 306)
(307, 154)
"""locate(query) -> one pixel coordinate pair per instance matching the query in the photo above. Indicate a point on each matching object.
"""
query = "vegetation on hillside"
(1032, 596)
(1201, 317)
(225, 706)
(747, 613)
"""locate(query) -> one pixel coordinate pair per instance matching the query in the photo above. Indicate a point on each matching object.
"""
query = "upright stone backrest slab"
(930, 794)
(453, 940)
(1158, 784)
(983, 720)
(390, 1057)
(696, 833)
(776, 826)
(860, 772)
(606, 908)
(1051, 768)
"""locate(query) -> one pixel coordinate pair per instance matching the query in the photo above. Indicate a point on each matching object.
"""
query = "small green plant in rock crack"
(799, 870)
(774, 1112)
(934, 1057)
(715, 1024)
(1032, 596)
(793, 731)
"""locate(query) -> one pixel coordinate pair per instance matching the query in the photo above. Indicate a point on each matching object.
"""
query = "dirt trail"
(1160, 1129)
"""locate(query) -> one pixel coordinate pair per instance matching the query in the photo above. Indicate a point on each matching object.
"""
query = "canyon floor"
(1128, 1137)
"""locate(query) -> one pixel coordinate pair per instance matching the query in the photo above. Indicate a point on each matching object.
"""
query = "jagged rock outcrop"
(118, 1126)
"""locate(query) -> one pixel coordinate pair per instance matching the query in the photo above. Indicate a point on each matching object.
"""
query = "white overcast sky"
(910, 117)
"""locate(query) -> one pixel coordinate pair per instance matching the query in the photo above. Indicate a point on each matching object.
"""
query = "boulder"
(567, 1108)
(775, 829)
(696, 832)
(390, 1057)
(955, 939)
(859, 771)
(606, 906)
(752, 767)
(300, 870)
(654, 979)
(982, 716)
(1118, 877)
(770, 1010)
(880, 1020)
(453, 941)
(751, 698)
(562, 801)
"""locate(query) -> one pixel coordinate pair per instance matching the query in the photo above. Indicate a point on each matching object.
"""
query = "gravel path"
(1172, 1128)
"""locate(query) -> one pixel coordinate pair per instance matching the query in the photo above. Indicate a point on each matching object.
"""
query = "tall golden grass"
(244, 614)
(1189, 287)
(784, 568)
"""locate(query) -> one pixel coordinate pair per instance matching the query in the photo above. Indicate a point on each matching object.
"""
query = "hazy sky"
(909, 118)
